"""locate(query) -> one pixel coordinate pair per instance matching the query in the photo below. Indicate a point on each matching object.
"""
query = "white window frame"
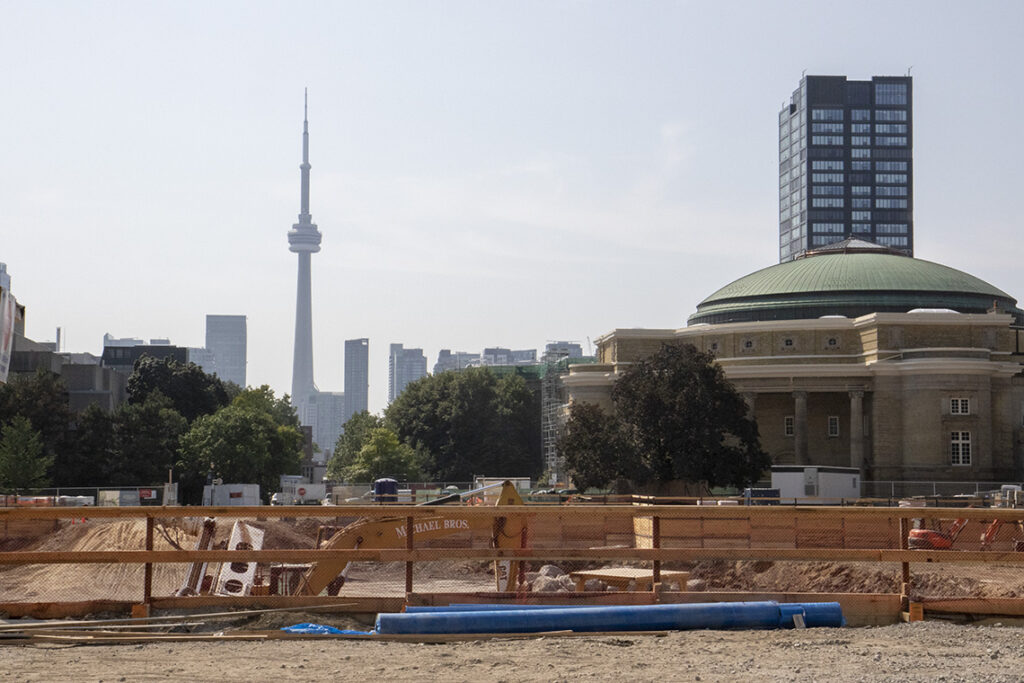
(833, 425)
(959, 406)
(960, 448)
(788, 426)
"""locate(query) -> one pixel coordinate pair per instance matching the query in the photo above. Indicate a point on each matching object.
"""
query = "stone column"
(857, 430)
(751, 398)
(800, 427)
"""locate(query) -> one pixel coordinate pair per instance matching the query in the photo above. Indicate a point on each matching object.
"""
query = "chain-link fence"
(587, 550)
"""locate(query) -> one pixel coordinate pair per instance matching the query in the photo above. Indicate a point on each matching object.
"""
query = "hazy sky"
(484, 173)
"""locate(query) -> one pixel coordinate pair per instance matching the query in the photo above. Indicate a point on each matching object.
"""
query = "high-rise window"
(890, 203)
(890, 93)
(898, 228)
(827, 202)
(827, 227)
(891, 115)
(826, 115)
(891, 140)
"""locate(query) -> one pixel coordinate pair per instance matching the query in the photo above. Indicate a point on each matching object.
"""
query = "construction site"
(623, 577)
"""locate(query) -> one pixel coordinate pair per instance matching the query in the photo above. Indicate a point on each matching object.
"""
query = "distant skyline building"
(330, 418)
(562, 349)
(846, 164)
(203, 357)
(404, 366)
(357, 376)
(304, 240)
(226, 340)
(458, 360)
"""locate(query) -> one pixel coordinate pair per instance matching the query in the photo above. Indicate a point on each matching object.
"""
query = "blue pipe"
(718, 615)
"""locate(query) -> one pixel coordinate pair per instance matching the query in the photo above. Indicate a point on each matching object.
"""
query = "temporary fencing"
(569, 552)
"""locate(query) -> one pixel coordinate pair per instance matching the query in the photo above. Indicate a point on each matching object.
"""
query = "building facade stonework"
(902, 396)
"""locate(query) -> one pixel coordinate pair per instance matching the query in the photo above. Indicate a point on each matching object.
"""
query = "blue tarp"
(320, 629)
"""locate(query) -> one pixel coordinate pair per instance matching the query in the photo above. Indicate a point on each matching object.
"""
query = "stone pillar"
(751, 398)
(857, 430)
(800, 427)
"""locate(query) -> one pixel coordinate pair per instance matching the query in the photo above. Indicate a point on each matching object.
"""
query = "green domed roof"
(851, 284)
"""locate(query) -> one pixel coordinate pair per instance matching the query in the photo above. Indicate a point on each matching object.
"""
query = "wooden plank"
(350, 604)
(440, 554)
(151, 621)
(399, 512)
(994, 606)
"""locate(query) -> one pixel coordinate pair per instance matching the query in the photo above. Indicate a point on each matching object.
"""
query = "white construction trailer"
(809, 485)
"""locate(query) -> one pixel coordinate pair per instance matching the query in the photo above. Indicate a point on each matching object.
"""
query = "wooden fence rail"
(650, 533)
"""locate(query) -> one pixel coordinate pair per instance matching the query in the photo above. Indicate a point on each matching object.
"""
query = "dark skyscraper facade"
(845, 164)
(357, 376)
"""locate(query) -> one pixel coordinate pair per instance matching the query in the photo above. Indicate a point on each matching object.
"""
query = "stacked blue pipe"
(526, 619)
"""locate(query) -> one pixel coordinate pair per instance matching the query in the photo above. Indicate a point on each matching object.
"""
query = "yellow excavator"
(377, 533)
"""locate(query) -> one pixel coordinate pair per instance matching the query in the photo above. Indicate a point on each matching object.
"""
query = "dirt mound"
(799, 577)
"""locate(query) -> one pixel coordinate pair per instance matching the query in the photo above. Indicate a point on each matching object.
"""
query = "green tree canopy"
(191, 391)
(597, 448)
(355, 435)
(470, 422)
(146, 441)
(134, 445)
(240, 445)
(90, 460)
(262, 399)
(383, 456)
(42, 397)
(682, 418)
(23, 462)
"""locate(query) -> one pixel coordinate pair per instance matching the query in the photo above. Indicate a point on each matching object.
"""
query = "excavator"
(377, 533)
(933, 539)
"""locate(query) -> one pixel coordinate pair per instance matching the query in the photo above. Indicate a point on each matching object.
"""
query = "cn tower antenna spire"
(304, 240)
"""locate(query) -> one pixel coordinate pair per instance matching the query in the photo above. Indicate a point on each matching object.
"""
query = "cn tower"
(304, 240)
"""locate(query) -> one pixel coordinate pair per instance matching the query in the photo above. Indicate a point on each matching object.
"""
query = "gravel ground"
(925, 651)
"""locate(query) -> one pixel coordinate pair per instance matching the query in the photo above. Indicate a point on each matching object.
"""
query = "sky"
(483, 173)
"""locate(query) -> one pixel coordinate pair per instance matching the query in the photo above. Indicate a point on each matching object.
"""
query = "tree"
(597, 449)
(355, 435)
(90, 460)
(146, 438)
(239, 445)
(470, 422)
(42, 397)
(683, 419)
(383, 456)
(23, 462)
(262, 399)
(191, 391)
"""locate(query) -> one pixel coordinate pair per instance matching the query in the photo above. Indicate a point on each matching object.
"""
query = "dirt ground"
(925, 651)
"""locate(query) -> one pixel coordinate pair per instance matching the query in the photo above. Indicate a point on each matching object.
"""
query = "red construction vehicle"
(932, 539)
